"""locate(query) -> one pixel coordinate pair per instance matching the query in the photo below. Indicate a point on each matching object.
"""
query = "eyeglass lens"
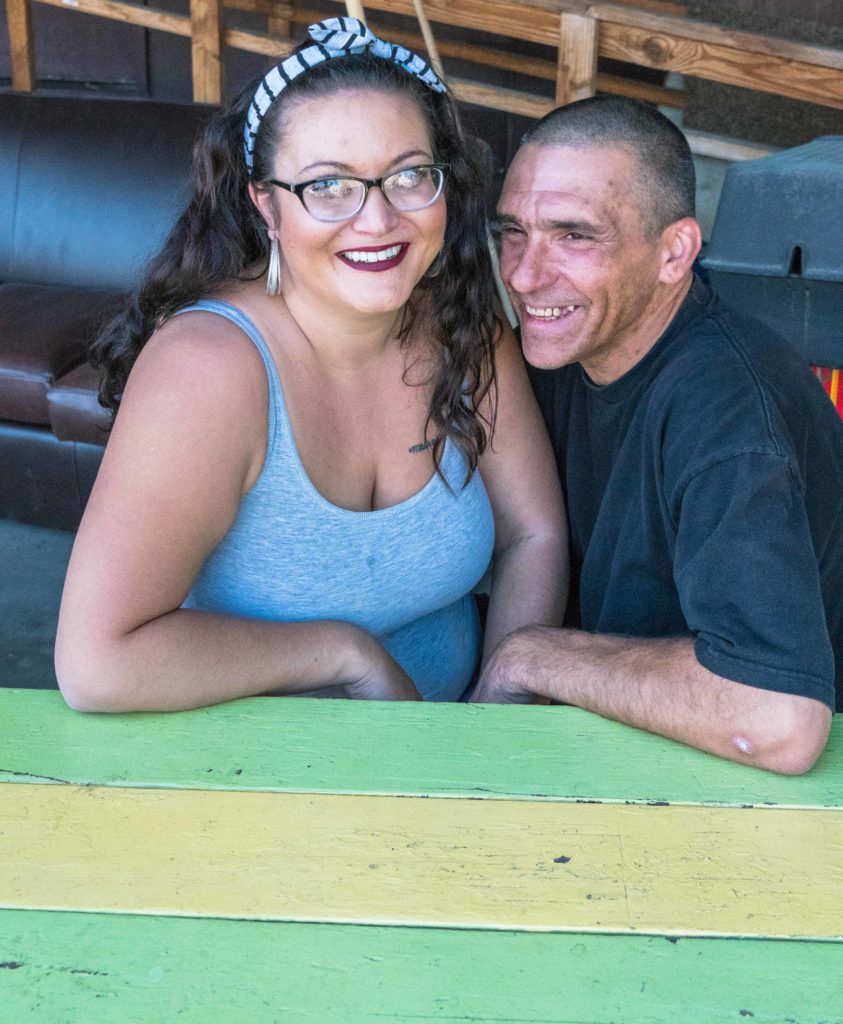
(412, 188)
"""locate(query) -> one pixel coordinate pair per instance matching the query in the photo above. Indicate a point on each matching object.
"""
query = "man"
(701, 460)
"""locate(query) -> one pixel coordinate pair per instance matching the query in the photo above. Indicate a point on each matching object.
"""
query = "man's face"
(576, 258)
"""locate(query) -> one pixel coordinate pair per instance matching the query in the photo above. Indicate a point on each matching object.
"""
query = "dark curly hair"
(221, 235)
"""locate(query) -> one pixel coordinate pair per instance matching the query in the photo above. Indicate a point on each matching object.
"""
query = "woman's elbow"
(87, 679)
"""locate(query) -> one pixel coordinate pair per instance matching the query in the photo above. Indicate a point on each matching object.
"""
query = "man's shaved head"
(664, 183)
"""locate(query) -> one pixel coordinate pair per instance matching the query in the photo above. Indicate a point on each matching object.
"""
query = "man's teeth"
(549, 312)
(357, 256)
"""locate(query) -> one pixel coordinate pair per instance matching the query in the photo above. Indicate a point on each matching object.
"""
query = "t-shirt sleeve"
(747, 576)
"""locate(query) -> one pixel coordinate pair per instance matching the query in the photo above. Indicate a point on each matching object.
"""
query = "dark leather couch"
(89, 188)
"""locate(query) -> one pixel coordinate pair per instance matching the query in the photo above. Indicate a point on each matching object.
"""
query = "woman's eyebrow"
(348, 169)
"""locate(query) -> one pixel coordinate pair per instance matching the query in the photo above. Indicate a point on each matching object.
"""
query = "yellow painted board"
(432, 862)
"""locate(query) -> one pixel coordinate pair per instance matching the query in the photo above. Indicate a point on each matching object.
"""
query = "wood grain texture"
(576, 65)
(205, 50)
(19, 25)
(702, 31)
(86, 968)
(129, 13)
(265, 743)
(424, 862)
(761, 71)
(513, 101)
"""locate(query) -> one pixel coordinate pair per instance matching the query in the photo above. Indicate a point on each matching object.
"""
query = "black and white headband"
(335, 37)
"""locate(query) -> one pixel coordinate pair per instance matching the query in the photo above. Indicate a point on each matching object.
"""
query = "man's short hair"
(665, 180)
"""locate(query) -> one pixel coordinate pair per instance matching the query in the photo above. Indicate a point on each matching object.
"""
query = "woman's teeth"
(356, 256)
(549, 312)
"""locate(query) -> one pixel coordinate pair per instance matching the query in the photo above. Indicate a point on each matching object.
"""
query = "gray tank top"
(403, 573)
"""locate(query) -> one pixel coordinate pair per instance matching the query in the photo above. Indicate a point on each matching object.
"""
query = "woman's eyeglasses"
(340, 198)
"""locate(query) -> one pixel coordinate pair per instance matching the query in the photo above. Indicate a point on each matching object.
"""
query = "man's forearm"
(658, 685)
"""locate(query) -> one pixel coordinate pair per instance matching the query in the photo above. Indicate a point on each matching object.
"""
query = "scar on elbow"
(742, 744)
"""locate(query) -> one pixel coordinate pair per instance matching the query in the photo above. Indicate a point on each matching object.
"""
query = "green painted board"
(65, 968)
(333, 746)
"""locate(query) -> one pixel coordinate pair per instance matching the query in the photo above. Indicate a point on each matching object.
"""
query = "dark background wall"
(78, 51)
(762, 117)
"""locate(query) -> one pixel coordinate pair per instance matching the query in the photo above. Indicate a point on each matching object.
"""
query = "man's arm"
(658, 685)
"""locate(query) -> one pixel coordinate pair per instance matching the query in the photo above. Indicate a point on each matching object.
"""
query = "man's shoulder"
(724, 361)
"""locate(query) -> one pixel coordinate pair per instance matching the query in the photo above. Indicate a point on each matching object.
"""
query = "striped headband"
(335, 37)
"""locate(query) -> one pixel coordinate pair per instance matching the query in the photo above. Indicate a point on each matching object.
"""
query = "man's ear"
(680, 243)
(262, 199)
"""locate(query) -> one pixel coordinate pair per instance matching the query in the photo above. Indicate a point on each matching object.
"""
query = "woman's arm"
(530, 564)
(189, 441)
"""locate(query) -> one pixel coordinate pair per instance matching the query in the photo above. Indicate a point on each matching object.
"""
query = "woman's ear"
(681, 241)
(262, 199)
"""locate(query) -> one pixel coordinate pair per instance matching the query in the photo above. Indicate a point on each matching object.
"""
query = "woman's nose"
(378, 214)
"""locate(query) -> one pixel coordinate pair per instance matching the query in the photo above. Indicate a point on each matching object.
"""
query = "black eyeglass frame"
(370, 183)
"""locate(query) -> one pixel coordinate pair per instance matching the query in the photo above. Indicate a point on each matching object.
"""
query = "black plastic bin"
(776, 249)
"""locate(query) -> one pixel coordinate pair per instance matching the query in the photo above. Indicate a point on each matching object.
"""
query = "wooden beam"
(280, 19)
(256, 42)
(206, 46)
(705, 32)
(576, 62)
(129, 14)
(19, 22)
(513, 101)
(486, 56)
(722, 148)
(764, 72)
(513, 20)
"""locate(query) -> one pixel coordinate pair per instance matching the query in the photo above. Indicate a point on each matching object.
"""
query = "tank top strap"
(277, 406)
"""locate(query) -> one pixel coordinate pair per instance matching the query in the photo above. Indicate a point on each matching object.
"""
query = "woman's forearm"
(529, 587)
(188, 659)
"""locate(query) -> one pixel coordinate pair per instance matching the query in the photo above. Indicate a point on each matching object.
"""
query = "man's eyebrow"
(579, 226)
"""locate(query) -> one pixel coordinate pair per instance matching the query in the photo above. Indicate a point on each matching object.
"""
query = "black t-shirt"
(705, 499)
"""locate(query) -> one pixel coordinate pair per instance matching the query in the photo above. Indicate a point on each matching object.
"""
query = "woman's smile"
(375, 257)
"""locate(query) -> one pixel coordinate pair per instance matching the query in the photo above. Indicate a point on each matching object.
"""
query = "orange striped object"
(830, 380)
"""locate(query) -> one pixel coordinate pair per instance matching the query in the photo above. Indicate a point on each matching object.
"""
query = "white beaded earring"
(273, 273)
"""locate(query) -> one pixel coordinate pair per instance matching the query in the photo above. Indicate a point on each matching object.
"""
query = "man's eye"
(575, 236)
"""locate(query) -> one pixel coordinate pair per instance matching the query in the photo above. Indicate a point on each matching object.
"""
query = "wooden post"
(354, 9)
(576, 69)
(19, 21)
(280, 22)
(206, 46)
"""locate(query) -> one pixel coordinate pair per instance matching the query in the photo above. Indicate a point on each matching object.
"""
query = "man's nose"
(526, 268)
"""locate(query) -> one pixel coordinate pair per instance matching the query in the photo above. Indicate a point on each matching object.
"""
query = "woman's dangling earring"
(273, 273)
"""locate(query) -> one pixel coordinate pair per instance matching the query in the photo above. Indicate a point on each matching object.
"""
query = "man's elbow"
(790, 738)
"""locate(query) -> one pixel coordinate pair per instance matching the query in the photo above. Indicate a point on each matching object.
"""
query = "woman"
(302, 488)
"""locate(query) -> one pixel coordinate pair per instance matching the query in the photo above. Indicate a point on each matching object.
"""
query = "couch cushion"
(44, 333)
(90, 186)
(45, 481)
(75, 412)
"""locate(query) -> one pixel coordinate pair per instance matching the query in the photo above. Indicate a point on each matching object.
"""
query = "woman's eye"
(330, 188)
(409, 179)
